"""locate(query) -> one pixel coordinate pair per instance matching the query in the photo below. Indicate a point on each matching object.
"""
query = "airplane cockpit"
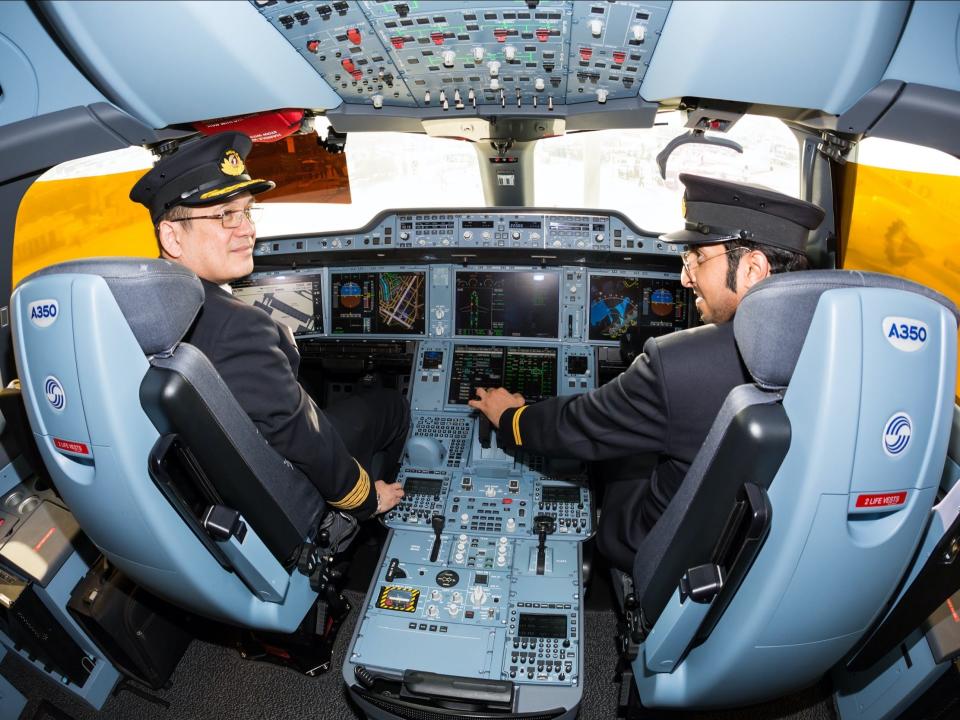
(472, 196)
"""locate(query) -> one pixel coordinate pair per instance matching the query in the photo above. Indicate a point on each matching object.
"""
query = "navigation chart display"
(385, 303)
(618, 303)
(507, 304)
(296, 303)
(530, 371)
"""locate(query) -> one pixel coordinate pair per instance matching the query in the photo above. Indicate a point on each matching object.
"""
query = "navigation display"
(618, 303)
(387, 303)
(507, 304)
(532, 372)
(292, 300)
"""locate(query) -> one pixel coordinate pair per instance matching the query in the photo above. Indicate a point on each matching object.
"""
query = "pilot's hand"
(388, 495)
(494, 401)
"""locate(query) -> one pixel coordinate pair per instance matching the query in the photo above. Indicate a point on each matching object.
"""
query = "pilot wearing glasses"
(200, 199)
(665, 402)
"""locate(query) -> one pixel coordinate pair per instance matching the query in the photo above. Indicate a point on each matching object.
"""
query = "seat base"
(308, 649)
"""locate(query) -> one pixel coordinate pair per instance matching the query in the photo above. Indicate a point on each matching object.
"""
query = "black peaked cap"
(205, 171)
(719, 211)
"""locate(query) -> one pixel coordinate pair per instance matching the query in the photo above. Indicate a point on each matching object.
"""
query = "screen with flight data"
(294, 301)
(618, 303)
(384, 303)
(530, 371)
(507, 304)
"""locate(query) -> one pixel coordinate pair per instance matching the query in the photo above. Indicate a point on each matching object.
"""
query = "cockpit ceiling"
(456, 55)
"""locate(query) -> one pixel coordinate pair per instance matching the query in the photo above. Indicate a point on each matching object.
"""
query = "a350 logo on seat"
(906, 334)
(43, 313)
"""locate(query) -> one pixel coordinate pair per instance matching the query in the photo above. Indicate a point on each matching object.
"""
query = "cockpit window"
(617, 169)
(387, 170)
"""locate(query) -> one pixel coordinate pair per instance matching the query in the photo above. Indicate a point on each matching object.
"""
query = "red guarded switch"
(348, 65)
(353, 35)
(500, 34)
(397, 42)
(543, 34)
(437, 38)
(619, 57)
(586, 53)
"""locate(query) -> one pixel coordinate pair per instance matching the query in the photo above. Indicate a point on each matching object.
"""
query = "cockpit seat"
(162, 468)
(804, 509)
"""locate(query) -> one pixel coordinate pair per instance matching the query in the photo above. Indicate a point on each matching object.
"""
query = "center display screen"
(507, 304)
(292, 300)
(618, 303)
(530, 371)
(372, 303)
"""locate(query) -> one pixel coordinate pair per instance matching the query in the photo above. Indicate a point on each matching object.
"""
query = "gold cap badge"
(232, 163)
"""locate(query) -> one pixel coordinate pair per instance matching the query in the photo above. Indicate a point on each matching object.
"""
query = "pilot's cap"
(720, 211)
(200, 172)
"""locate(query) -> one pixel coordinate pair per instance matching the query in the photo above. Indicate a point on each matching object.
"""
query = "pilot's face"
(705, 272)
(214, 252)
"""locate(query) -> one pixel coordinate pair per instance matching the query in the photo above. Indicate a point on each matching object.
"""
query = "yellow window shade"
(81, 217)
(899, 222)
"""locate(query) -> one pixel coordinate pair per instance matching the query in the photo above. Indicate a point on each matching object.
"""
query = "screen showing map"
(618, 303)
(292, 300)
(378, 303)
(508, 304)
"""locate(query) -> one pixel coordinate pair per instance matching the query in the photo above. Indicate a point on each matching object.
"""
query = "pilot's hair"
(781, 261)
(177, 212)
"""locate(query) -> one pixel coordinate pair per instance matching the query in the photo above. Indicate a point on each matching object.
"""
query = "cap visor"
(692, 237)
(219, 195)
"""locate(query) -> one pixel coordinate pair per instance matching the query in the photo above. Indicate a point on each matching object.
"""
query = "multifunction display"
(295, 301)
(618, 303)
(507, 304)
(530, 371)
(386, 303)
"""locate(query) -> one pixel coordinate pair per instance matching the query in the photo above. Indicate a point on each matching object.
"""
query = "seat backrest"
(845, 431)
(141, 435)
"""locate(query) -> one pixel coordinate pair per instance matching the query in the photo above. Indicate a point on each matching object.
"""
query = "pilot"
(200, 199)
(665, 402)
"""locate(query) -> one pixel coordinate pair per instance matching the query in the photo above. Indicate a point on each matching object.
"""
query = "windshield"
(617, 169)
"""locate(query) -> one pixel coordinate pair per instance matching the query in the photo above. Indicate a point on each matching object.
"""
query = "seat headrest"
(774, 316)
(158, 298)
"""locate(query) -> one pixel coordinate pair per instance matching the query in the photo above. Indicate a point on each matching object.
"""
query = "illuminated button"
(465, 518)
(377, 101)
(462, 537)
(511, 524)
(494, 67)
(602, 95)
(448, 57)
(639, 32)
(539, 84)
(596, 27)
(510, 52)
(491, 491)
(494, 84)
(477, 54)
(461, 545)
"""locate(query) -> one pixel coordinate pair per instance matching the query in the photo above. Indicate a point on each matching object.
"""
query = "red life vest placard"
(881, 501)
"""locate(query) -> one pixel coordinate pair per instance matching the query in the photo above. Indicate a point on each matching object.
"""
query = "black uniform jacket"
(664, 403)
(258, 359)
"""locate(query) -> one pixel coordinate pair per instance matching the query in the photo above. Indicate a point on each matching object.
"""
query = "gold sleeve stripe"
(354, 499)
(516, 425)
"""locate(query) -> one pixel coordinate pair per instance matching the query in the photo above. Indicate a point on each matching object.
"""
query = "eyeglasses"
(230, 219)
(691, 262)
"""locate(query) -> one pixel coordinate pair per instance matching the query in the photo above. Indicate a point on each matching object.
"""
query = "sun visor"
(303, 170)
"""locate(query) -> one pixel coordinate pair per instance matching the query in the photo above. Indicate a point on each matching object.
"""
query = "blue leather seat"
(803, 512)
(161, 467)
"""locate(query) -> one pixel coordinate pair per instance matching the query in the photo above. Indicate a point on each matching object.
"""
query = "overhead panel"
(454, 56)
